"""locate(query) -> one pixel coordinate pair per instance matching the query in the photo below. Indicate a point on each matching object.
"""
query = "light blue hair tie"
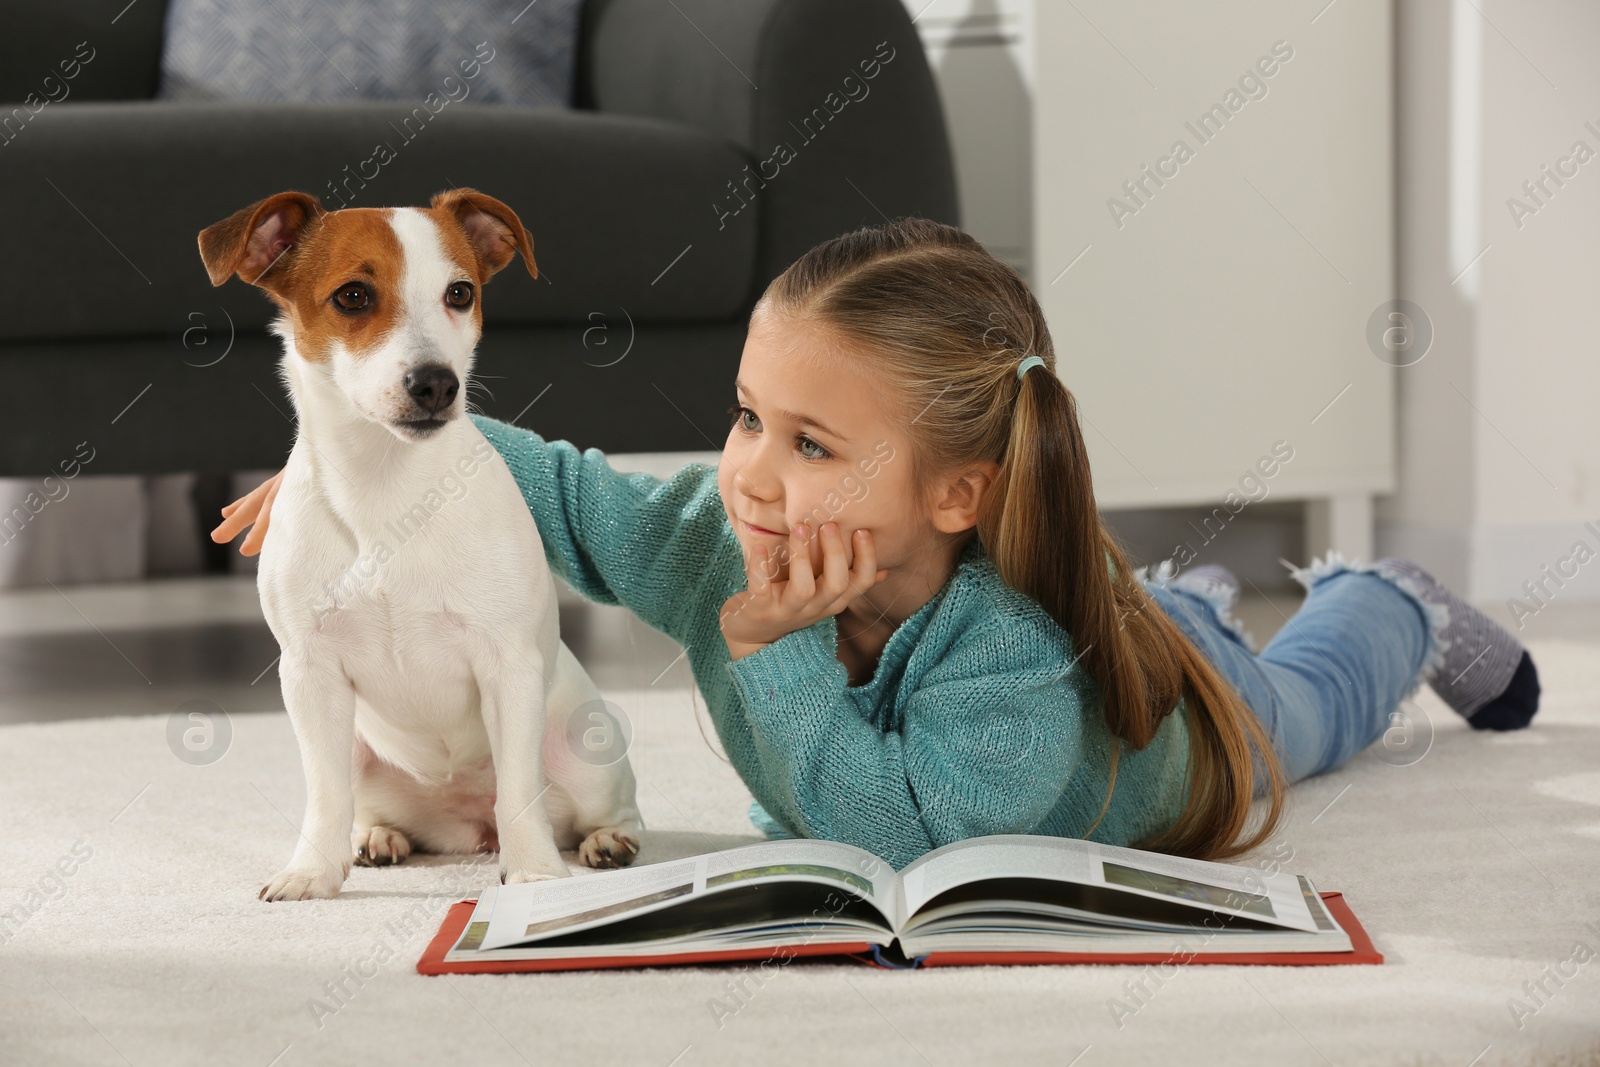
(1031, 361)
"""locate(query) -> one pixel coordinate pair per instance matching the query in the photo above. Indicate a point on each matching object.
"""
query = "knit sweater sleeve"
(628, 539)
(986, 744)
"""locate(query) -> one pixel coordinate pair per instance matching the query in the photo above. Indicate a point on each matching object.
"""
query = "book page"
(1271, 897)
(531, 911)
(847, 866)
(477, 923)
(995, 856)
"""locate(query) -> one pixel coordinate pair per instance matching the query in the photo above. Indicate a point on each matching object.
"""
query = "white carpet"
(1475, 870)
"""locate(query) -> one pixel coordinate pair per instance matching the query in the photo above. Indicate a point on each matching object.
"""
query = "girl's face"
(814, 441)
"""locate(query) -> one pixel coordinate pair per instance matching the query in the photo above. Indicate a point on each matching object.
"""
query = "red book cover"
(433, 962)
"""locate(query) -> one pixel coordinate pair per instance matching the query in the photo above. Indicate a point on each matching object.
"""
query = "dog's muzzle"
(432, 388)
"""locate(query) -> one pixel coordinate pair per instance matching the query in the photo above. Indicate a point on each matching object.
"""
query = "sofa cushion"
(112, 196)
(85, 50)
(333, 50)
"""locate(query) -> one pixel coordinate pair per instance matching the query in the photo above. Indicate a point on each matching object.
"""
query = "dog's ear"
(493, 230)
(252, 240)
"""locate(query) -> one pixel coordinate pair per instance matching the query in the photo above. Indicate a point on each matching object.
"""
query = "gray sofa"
(629, 339)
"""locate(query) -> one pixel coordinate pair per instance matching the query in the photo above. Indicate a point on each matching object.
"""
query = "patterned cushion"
(324, 50)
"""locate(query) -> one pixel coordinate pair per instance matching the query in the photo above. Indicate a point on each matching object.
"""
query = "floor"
(1481, 886)
(130, 932)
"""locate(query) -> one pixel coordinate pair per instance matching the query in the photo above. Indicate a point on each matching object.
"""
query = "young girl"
(910, 625)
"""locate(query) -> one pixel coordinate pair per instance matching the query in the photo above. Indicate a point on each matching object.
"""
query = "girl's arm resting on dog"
(629, 539)
(988, 744)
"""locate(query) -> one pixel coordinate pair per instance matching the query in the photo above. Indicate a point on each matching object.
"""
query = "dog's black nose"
(433, 387)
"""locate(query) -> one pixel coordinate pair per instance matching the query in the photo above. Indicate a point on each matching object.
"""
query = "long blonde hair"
(944, 324)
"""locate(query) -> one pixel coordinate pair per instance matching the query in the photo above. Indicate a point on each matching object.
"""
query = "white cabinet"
(1213, 231)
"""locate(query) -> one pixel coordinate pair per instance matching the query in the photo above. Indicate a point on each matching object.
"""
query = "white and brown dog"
(402, 573)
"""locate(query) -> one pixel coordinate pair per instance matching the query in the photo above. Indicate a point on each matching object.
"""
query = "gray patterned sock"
(1218, 586)
(1212, 581)
(1487, 677)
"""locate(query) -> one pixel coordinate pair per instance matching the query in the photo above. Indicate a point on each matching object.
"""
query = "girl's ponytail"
(1043, 531)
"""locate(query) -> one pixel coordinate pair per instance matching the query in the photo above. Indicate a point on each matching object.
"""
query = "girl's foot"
(1487, 677)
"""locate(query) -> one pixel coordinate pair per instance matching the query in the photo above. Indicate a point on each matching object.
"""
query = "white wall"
(1499, 437)
(980, 54)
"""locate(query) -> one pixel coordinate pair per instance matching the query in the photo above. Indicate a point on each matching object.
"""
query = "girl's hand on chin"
(768, 609)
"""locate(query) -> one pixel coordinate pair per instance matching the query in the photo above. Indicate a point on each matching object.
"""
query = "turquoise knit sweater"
(977, 720)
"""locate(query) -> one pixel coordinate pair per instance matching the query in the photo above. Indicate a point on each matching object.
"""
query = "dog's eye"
(459, 295)
(352, 297)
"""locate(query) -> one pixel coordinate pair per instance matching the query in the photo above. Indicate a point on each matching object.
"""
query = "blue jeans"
(1328, 683)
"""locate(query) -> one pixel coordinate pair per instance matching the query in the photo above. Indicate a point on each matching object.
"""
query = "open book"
(998, 899)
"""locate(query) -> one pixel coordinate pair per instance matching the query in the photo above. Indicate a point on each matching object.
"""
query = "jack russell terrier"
(402, 574)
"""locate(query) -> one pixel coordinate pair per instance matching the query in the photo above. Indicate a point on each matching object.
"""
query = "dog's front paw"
(293, 884)
(608, 847)
(379, 846)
